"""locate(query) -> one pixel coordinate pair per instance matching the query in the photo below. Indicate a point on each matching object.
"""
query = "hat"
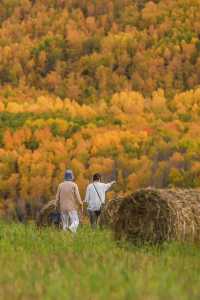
(69, 176)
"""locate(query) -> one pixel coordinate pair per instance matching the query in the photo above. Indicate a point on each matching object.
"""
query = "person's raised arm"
(108, 185)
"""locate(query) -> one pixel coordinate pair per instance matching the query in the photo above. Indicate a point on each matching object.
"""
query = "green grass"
(56, 265)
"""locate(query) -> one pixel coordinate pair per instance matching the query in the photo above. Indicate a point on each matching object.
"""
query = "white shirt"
(92, 198)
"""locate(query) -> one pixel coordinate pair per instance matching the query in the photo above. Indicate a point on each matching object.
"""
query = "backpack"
(54, 218)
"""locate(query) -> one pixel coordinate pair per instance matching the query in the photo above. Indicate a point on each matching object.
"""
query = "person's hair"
(97, 177)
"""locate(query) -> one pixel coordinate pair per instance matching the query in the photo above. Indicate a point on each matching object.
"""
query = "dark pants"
(94, 216)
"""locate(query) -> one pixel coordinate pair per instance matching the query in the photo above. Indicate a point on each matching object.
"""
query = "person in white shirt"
(95, 197)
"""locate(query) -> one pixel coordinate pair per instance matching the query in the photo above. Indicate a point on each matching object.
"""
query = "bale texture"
(109, 213)
(44, 216)
(156, 215)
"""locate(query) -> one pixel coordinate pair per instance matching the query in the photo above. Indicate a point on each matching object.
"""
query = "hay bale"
(156, 215)
(44, 216)
(109, 213)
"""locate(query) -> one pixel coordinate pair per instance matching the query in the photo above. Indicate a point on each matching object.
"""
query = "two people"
(69, 200)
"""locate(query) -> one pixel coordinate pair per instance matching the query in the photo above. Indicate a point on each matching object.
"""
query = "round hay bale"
(109, 213)
(156, 215)
(44, 217)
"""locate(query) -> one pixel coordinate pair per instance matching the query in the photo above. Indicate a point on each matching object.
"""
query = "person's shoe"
(72, 229)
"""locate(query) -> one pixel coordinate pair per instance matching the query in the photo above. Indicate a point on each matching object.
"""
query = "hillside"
(108, 86)
(84, 50)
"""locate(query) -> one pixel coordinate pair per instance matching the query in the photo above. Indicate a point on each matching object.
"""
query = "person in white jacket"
(95, 197)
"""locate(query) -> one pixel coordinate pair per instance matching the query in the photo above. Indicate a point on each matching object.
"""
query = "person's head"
(69, 176)
(97, 177)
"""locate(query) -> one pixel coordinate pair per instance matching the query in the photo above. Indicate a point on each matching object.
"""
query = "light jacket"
(68, 197)
(95, 199)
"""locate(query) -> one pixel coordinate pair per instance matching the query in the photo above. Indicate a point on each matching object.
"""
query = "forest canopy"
(97, 86)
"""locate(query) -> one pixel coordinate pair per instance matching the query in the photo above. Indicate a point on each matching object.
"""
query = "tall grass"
(52, 264)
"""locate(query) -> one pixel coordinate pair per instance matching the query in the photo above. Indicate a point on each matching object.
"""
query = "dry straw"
(109, 213)
(43, 218)
(156, 215)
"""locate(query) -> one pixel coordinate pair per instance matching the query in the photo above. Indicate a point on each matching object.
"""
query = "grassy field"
(91, 265)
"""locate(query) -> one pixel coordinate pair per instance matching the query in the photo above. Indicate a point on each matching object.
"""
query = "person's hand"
(81, 205)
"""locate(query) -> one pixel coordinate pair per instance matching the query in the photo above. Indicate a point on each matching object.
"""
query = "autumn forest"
(109, 86)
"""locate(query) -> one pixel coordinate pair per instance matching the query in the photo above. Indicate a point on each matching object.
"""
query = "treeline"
(97, 86)
(138, 141)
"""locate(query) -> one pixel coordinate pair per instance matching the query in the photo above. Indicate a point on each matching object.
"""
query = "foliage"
(86, 50)
(107, 86)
